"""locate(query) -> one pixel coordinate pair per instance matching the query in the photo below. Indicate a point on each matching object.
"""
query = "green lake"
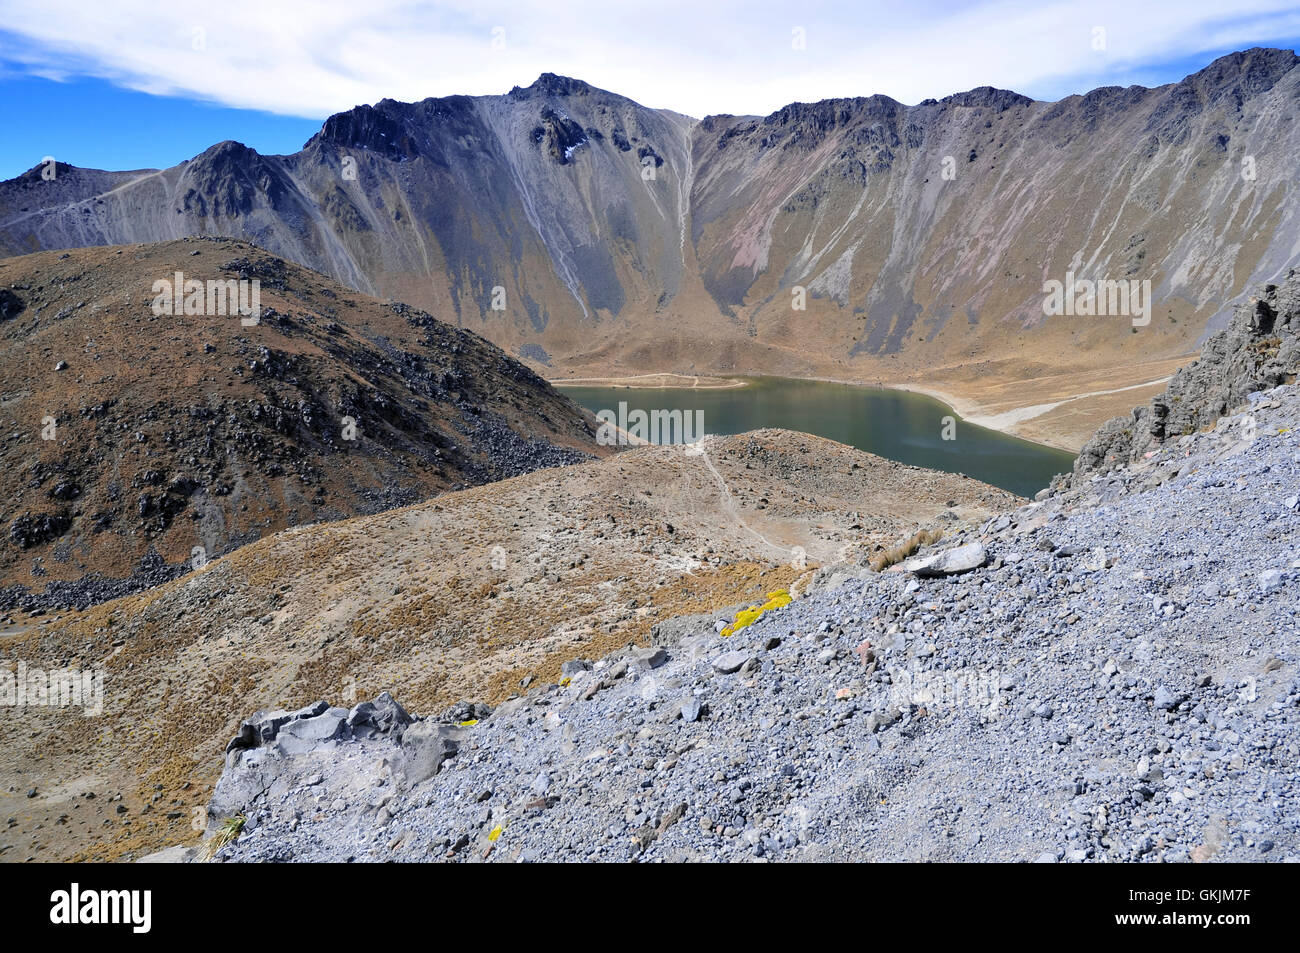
(902, 426)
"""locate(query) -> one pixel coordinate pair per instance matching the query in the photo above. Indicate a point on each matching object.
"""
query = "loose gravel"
(1116, 682)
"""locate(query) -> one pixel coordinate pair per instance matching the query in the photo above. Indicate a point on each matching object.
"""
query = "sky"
(129, 84)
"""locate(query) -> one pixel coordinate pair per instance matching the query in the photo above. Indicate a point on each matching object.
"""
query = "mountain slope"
(1259, 349)
(470, 594)
(1114, 685)
(134, 437)
(1107, 681)
(539, 192)
(612, 237)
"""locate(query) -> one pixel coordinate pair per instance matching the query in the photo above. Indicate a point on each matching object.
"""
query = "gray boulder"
(258, 729)
(948, 562)
(425, 746)
(645, 659)
(1270, 581)
(691, 709)
(244, 782)
(312, 710)
(729, 662)
(307, 734)
(383, 716)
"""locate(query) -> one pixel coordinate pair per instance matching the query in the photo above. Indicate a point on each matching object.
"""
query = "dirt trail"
(464, 596)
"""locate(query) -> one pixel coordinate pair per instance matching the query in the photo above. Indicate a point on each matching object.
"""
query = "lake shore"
(652, 382)
(913, 428)
(967, 410)
(1059, 410)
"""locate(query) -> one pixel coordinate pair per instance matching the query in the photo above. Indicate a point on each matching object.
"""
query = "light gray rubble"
(1114, 678)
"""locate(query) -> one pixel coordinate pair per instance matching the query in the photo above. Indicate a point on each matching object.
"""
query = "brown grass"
(896, 554)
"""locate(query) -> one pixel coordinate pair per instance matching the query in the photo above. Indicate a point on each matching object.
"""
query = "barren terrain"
(473, 594)
(133, 438)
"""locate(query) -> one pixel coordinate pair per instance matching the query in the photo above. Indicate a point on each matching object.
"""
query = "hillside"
(1114, 678)
(1257, 350)
(133, 438)
(593, 236)
(479, 594)
(1106, 674)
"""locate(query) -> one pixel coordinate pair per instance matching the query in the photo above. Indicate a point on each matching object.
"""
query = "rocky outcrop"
(275, 752)
(1258, 350)
(559, 136)
(33, 529)
(383, 130)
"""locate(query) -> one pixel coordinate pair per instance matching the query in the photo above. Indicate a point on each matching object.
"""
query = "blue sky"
(93, 123)
(124, 84)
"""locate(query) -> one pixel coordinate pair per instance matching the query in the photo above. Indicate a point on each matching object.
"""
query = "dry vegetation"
(463, 596)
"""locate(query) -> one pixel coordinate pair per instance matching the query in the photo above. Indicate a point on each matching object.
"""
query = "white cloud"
(313, 59)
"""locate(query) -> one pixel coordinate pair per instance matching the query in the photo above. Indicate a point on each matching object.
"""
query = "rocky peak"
(379, 129)
(1244, 73)
(828, 114)
(989, 97)
(551, 84)
(229, 179)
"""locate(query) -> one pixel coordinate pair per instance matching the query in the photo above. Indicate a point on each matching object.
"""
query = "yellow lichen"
(747, 617)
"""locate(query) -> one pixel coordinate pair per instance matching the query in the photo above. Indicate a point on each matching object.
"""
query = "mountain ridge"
(593, 236)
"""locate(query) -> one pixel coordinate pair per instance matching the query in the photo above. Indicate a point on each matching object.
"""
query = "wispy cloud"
(312, 59)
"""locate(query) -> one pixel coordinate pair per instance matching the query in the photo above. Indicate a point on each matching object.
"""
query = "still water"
(896, 424)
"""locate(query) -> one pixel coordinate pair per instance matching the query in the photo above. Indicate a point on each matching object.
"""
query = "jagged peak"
(1241, 60)
(833, 112)
(990, 96)
(380, 128)
(1257, 69)
(553, 84)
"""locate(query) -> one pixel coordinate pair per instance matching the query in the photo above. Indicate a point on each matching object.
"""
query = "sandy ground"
(651, 381)
(1061, 410)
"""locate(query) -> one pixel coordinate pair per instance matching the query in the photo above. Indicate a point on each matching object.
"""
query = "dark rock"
(33, 529)
(383, 716)
(10, 305)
